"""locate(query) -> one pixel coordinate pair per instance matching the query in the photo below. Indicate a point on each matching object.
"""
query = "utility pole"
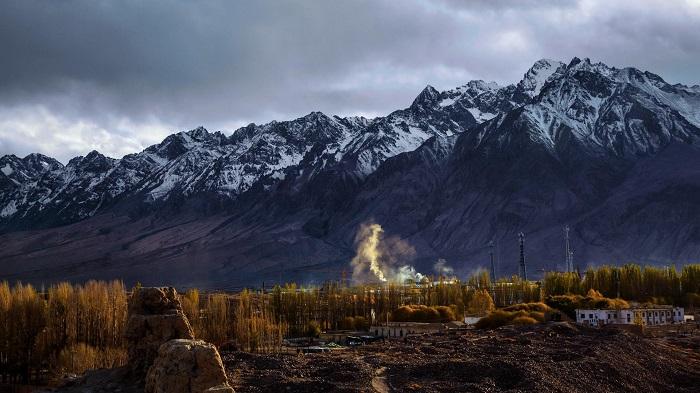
(523, 267)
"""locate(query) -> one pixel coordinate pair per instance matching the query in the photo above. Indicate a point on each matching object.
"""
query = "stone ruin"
(162, 348)
(185, 366)
(155, 317)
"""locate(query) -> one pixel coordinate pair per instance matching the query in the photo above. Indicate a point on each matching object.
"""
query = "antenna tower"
(523, 268)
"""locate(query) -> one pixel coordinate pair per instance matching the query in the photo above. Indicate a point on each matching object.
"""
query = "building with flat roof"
(402, 329)
(651, 316)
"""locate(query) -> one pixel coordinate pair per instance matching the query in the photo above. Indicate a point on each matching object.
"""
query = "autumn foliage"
(71, 328)
(518, 314)
(68, 329)
(659, 285)
(592, 301)
(421, 313)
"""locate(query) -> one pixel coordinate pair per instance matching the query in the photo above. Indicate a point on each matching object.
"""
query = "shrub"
(348, 323)
(446, 313)
(692, 299)
(593, 300)
(534, 307)
(495, 319)
(517, 314)
(481, 303)
(421, 313)
(520, 321)
(81, 357)
(313, 329)
(354, 323)
(361, 323)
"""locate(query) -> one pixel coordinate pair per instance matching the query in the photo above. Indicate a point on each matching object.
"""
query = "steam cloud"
(442, 268)
(368, 252)
(382, 258)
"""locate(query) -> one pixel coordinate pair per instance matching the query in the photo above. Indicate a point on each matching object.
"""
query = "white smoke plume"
(368, 252)
(442, 268)
(382, 258)
(407, 272)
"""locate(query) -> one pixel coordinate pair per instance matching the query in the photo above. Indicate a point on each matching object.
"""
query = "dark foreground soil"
(557, 357)
(547, 358)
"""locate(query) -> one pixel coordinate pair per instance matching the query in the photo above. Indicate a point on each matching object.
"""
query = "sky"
(118, 76)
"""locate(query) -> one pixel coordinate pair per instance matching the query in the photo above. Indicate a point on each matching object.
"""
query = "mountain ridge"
(450, 173)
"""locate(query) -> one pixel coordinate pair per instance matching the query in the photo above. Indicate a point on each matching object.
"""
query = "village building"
(650, 316)
(343, 337)
(471, 320)
(403, 329)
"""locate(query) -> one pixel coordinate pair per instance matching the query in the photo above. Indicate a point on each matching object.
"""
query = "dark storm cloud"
(117, 76)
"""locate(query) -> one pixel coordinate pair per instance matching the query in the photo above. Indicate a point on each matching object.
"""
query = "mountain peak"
(9, 157)
(480, 84)
(94, 154)
(198, 133)
(574, 61)
(427, 97)
(546, 63)
(96, 162)
(315, 116)
(535, 78)
(41, 163)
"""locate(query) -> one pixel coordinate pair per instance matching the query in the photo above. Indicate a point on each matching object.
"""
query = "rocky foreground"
(550, 358)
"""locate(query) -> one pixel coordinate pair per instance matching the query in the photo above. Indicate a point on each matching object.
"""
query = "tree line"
(659, 285)
(67, 329)
(70, 328)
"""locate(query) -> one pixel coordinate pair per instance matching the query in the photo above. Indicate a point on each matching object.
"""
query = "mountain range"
(611, 152)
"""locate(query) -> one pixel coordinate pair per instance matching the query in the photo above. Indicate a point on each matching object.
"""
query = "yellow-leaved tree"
(481, 303)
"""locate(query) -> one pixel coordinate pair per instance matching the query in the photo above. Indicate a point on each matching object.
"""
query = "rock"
(187, 366)
(119, 379)
(155, 317)
(154, 301)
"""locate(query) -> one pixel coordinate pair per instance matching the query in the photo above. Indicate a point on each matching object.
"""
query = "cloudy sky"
(119, 76)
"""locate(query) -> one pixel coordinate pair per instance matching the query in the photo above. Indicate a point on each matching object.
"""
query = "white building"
(656, 315)
(472, 319)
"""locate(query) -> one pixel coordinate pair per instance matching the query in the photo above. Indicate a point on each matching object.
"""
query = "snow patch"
(7, 170)
(446, 102)
(481, 116)
(9, 210)
(537, 76)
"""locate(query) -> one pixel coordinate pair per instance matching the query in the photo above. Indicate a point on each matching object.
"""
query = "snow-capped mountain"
(620, 112)
(611, 152)
(199, 162)
(184, 164)
(19, 176)
(614, 153)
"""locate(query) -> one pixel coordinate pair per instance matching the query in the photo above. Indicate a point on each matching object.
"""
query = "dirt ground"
(557, 357)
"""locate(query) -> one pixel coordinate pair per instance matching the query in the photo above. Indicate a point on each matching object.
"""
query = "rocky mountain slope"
(611, 152)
